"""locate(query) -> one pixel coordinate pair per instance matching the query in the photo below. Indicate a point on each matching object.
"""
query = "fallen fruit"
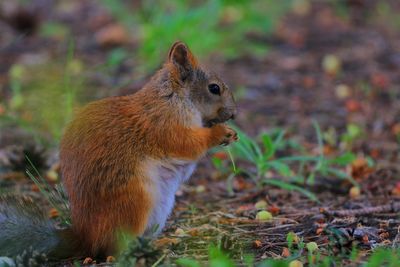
(331, 64)
(52, 176)
(295, 263)
(260, 205)
(264, 216)
(354, 192)
(342, 91)
(200, 189)
(312, 246)
(292, 236)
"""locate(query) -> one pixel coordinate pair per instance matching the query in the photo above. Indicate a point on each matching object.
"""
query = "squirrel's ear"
(182, 58)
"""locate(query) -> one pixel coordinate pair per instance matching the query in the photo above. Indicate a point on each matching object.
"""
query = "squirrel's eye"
(214, 89)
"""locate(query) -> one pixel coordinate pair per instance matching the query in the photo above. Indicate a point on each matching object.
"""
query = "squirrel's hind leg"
(126, 209)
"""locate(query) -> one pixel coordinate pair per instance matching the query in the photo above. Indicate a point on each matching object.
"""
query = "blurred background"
(289, 63)
(293, 58)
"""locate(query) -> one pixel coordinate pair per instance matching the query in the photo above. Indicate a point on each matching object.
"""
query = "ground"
(323, 69)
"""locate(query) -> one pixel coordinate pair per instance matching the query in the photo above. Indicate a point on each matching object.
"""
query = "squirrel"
(123, 158)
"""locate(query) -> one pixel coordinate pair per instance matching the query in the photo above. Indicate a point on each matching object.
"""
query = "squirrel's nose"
(225, 114)
(233, 112)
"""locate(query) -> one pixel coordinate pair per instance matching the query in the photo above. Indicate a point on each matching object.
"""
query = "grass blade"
(291, 187)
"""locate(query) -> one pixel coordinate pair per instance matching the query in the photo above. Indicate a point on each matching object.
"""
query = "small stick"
(247, 197)
(392, 207)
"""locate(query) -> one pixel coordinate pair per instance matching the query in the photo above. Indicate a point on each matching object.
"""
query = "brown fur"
(104, 147)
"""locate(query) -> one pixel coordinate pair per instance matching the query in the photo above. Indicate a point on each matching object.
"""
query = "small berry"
(264, 216)
(312, 246)
(354, 192)
(260, 205)
(295, 263)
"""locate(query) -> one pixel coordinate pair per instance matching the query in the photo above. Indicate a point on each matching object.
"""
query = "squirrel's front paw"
(225, 134)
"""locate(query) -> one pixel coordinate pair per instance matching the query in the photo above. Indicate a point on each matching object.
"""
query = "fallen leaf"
(353, 105)
(112, 35)
(53, 213)
(375, 153)
(240, 184)
(309, 82)
(166, 242)
(384, 235)
(274, 209)
(243, 208)
(110, 259)
(360, 169)
(396, 129)
(257, 244)
(193, 232)
(365, 239)
(285, 252)
(35, 188)
(379, 80)
(396, 189)
(87, 260)
(220, 155)
(179, 232)
(328, 150)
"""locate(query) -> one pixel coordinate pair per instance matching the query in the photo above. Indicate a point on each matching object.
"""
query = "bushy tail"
(23, 224)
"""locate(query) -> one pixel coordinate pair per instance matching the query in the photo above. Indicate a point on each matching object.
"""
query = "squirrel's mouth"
(224, 114)
(212, 122)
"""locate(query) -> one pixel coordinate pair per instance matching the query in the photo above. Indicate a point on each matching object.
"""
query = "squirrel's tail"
(23, 224)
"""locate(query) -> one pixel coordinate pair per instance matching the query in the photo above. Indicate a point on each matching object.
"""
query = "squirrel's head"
(208, 93)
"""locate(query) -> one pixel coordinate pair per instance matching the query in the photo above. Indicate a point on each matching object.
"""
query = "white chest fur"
(166, 177)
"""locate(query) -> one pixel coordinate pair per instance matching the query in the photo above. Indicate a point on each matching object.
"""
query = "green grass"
(380, 257)
(214, 26)
(44, 96)
(54, 195)
(259, 159)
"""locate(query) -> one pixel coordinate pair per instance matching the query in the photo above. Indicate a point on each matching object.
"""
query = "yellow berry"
(264, 216)
(295, 263)
(312, 246)
(260, 205)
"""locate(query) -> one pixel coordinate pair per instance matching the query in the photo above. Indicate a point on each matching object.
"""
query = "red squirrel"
(123, 159)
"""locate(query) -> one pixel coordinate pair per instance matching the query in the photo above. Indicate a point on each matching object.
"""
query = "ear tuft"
(180, 54)
(181, 57)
